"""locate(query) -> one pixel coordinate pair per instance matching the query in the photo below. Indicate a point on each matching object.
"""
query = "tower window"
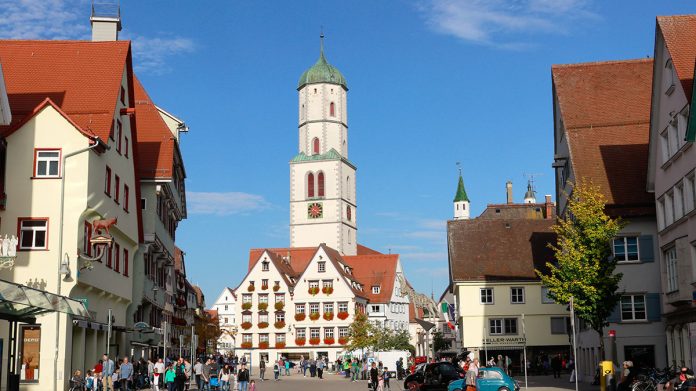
(320, 186)
(348, 187)
(349, 213)
(315, 146)
(332, 109)
(310, 185)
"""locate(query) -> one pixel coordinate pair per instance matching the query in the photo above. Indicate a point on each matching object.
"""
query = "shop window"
(30, 352)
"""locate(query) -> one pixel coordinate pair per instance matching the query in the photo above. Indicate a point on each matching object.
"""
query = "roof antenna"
(321, 41)
(459, 167)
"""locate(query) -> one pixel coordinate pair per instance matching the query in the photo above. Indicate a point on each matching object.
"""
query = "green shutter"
(645, 246)
(652, 302)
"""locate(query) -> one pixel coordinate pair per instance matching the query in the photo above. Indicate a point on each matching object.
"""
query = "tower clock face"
(315, 210)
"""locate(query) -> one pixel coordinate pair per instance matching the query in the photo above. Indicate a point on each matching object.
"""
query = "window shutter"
(645, 245)
(652, 302)
(615, 316)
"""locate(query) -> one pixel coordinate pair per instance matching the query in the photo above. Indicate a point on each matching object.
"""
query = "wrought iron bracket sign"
(8, 251)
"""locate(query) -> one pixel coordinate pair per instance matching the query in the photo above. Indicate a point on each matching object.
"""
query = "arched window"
(349, 213)
(332, 109)
(310, 185)
(348, 187)
(315, 146)
(320, 187)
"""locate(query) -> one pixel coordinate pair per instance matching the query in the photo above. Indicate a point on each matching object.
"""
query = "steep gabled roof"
(370, 270)
(364, 250)
(82, 78)
(156, 143)
(679, 32)
(298, 257)
(605, 110)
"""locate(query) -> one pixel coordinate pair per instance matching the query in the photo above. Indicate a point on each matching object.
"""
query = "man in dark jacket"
(374, 376)
(243, 378)
(556, 366)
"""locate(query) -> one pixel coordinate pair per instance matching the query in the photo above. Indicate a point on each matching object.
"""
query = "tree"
(584, 265)
(208, 329)
(384, 339)
(440, 343)
(360, 333)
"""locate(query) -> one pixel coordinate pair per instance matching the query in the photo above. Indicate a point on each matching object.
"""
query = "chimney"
(508, 191)
(287, 259)
(105, 20)
(548, 207)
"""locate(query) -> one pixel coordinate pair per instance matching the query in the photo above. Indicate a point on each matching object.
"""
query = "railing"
(106, 9)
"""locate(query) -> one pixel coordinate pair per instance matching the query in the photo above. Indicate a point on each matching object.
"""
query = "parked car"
(433, 377)
(488, 379)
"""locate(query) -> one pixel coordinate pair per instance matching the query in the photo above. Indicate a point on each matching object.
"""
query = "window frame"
(117, 259)
(119, 132)
(492, 297)
(626, 253)
(37, 151)
(126, 196)
(672, 266)
(321, 267)
(21, 220)
(376, 289)
(107, 181)
(512, 295)
(633, 308)
(117, 190)
(125, 261)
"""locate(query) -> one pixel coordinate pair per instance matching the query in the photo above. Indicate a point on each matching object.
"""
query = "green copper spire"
(461, 192)
(322, 72)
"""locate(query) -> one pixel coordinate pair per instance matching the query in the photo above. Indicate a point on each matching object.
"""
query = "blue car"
(488, 379)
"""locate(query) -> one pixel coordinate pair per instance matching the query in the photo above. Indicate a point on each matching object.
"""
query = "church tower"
(461, 201)
(322, 179)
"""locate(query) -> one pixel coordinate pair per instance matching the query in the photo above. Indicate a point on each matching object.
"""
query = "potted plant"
(328, 315)
(276, 288)
(313, 290)
(263, 325)
(251, 288)
(327, 290)
(329, 341)
(314, 316)
(314, 341)
(246, 306)
(300, 341)
(280, 345)
(343, 340)
(246, 345)
(342, 315)
(263, 306)
(246, 325)
(279, 325)
(279, 306)
(300, 317)
(263, 345)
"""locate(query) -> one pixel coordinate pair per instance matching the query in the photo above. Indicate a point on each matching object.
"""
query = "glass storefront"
(30, 339)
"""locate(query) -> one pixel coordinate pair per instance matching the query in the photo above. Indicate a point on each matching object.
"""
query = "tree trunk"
(602, 351)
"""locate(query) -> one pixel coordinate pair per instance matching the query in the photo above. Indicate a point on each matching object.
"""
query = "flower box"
(313, 290)
(343, 340)
(280, 345)
(276, 288)
(329, 341)
(314, 341)
(246, 325)
(279, 325)
(246, 345)
(263, 345)
(263, 306)
(327, 290)
(264, 287)
(300, 341)
(263, 325)
(314, 316)
(251, 288)
(342, 315)
(328, 315)
(246, 306)
(300, 317)
(279, 306)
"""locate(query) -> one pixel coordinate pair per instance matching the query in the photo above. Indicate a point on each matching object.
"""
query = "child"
(276, 370)
(386, 378)
(76, 380)
(252, 386)
(156, 379)
(89, 381)
(380, 383)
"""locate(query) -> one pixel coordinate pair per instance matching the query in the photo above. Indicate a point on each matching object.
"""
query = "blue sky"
(432, 83)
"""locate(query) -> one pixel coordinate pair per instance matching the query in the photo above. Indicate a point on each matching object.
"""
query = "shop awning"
(20, 303)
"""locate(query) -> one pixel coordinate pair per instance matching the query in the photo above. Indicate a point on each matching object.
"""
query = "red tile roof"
(299, 256)
(82, 78)
(605, 109)
(364, 250)
(679, 32)
(373, 270)
(156, 143)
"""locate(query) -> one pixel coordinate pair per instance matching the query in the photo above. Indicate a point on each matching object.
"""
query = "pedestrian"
(262, 369)
(276, 370)
(320, 368)
(556, 366)
(243, 378)
(355, 369)
(252, 386)
(470, 378)
(312, 368)
(571, 367)
(89, 381)
(304, 366)
(179, 374)
(346, 368)
(287, 367)
(126, 374)
(188, 371)
(374, 376)
(197, 371)
(380, 382)
(224, 376)
(386, 377)
(156, 379)
(169, 377)
(205, 376)
(76, 381)
(108, 372)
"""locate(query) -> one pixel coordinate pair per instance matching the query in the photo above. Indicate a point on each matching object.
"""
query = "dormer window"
(375, 289)
(264, 266)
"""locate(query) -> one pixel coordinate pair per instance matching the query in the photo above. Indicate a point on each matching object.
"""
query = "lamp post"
(97, 142)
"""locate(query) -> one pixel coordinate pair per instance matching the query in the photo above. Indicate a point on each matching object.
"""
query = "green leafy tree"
(384, 339)
(440, 343)
(360, 333)
(584, 267)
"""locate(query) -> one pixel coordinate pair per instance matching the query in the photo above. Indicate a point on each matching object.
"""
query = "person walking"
(312, 368)
(189, 373)
(205, 375)
(571, 367)
(107, 372)
(179, 374)
(556, 366)
(386, 377)
(355, 370)
(156, 379)
(374, 376)
(126, 374)
(262, 369)
(304, 364)
(320, 368)
(243, 378)
(276, 370)
(169, 377)
(197, 371)
(224, 376)
(287, 367)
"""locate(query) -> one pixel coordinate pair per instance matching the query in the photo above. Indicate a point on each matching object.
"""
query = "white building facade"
(225, 305)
